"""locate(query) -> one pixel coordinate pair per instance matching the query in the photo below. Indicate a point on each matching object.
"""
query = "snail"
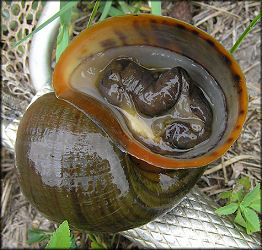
(132, 88)
(142, 104)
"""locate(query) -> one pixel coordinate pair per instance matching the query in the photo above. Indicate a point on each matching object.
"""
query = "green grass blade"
(245, 182)
(37, 235)
(63, 43)
(63, 37)
(138, 7)
(156, 8)
(105, 10)
(245, 33)
(65, 18)
(115, 12)
(124, 7)
(93, 13)
(59, 13)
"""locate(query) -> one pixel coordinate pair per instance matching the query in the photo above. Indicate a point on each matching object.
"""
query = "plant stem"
(245, 33)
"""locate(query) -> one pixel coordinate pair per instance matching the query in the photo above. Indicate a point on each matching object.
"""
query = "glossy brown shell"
(70, 169)
(162, 32)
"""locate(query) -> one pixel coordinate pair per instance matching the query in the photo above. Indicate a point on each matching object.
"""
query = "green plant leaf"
(253, 195)
(39, 231)
(245, 181)
(156, 7)
(96, 245)
(256, 205)
(68, 6)
(60, 35)
(225, 195)
(237, 196)
(241, 207)
(63, 37)
(37, 235)
(62, 41)
(37, 238)
(237, 43)
(252, 220)
(61, 237)
(239, 219)
(105, 10)
(65, 18)
(228, 209)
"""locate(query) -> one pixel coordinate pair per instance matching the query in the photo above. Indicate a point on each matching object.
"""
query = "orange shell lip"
(141, 29)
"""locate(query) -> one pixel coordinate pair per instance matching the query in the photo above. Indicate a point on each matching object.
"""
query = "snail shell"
(76, 158)
(70, 169)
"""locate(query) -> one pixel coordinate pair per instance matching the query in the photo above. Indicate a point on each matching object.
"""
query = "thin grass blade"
(58, 14)
(115, 12)
(93, 13)
(63, 41)
(65, 18)
(63, 37)
(139, 4)
(245, 33)
(124, 7)
(105, 10)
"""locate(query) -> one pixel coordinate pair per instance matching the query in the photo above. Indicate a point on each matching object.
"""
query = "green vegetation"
(235, 46)
(63, 36)
(67, 7)
(63, 238)
(108, 8)
(244, 204)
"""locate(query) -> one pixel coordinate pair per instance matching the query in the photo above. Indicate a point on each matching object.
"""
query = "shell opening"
(151, 92)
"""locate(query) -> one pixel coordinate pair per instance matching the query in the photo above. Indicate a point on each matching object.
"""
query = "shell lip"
(66, 65)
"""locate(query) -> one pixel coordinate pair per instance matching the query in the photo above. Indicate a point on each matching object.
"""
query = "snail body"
(135, 118)
(183, 116)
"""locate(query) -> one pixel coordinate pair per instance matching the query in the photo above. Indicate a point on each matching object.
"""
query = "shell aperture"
(165, 110)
